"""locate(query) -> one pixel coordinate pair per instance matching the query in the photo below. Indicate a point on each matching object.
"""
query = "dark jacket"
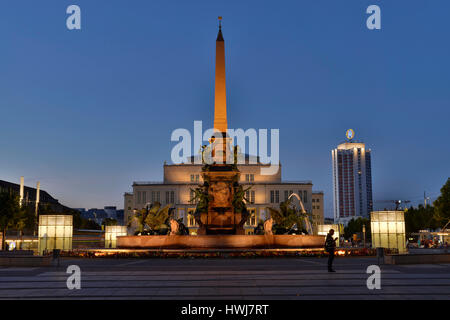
(330, 243)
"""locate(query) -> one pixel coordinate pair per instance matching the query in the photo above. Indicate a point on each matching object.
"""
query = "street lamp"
(364, 234)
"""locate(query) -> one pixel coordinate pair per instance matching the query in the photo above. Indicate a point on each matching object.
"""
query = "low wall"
(417, 258)
(428, 250)
(221, 241)
(15, 253)
(25, 261)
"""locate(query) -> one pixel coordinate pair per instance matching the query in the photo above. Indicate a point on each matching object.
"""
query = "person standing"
(330, 246)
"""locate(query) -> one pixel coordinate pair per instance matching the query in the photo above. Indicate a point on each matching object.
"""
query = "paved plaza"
(285, 278)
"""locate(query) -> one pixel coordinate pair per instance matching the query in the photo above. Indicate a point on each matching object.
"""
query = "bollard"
(380, 255)
(56, 254)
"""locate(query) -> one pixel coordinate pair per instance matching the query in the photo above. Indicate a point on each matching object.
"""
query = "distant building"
(98, 215)
(317, 209)
(328, 221)
(352, 181)
(111, 212)
(120, 216)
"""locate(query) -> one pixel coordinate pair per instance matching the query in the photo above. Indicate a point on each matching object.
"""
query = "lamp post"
(364, 234)
(36, 207)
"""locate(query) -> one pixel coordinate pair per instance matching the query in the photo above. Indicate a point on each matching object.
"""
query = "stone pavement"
(285, 278)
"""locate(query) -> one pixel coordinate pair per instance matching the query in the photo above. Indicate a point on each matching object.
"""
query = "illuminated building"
(55, 232)
(388, 230)
(111, 234)
(317, 204)
(352, 181)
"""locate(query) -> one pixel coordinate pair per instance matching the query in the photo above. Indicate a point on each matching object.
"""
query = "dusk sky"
(87, 112)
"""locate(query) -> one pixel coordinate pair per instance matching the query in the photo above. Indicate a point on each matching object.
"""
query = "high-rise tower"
(352, 181)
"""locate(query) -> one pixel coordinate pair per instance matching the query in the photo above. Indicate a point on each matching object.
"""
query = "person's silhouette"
(330, 246)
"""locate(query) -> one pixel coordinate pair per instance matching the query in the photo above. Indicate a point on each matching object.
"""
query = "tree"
(30, 220)
(356, 226)
(442, 204)
(109, 222)
(11, 215)
(89, 225)
(420, 218)
(286, 217)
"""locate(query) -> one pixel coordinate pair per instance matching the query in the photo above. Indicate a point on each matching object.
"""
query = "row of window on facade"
(250, 196)
(195, 178)
(155, 196)
(275, 195)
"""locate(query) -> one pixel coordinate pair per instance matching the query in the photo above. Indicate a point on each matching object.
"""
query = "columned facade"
(179, 181)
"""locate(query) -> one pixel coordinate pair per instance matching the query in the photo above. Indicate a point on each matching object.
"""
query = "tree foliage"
(442, 204)
(356, 226)
(109, 222)
(12, 216)
(420, 218)
(89, 224)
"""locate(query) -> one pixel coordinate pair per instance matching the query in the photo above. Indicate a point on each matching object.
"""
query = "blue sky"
(88, 112)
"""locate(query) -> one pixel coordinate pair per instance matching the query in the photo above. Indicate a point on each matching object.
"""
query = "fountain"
(221, 210)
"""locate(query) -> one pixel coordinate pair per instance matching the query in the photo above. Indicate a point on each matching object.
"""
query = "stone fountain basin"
(221, 241)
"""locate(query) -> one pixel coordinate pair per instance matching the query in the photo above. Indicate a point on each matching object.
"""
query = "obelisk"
(220, 96)
(221, 149)
(222, 176)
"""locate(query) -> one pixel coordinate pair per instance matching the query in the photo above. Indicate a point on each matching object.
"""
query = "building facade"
(317, 210)
(352, 181)
(98, 215)
(179, 181)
